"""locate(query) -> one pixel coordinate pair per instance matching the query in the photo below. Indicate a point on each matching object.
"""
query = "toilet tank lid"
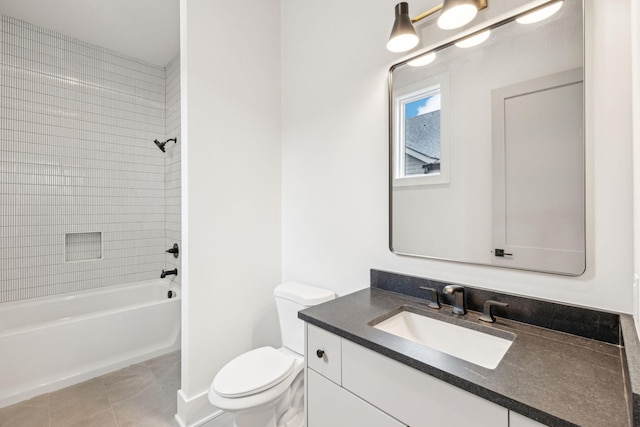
(303, 294)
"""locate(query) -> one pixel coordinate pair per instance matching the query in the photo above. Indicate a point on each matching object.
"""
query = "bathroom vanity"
(355, 386)
(568, 369)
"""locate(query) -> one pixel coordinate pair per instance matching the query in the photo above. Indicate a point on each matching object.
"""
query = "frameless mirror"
(487, 145)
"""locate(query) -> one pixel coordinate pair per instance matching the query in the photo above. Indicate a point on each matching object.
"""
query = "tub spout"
(169, 273)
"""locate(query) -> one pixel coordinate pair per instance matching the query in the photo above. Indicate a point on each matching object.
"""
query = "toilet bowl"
(264, 387)
(261, 390)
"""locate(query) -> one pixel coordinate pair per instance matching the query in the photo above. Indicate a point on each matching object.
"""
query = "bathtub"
(52, 342)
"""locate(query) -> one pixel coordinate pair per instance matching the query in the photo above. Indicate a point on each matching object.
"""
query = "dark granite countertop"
(556, 378)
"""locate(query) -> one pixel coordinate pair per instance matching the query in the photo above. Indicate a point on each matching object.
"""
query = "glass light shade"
(456, 16)
(540, 14)
(402, 43)
(403, 36)
(422, 60)
(475, 40)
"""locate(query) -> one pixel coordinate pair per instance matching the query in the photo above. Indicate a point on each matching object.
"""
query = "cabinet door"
(329, 405)
(517, 420)
(414, 397)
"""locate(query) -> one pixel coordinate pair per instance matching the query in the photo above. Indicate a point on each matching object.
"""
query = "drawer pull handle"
(319, 353)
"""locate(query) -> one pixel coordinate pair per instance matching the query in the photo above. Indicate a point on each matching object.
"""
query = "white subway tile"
(77, 155)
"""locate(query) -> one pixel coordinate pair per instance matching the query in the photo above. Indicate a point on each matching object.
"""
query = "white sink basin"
(477, 347)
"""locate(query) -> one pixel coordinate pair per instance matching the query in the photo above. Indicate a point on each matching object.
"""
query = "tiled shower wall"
(172, 165)
(82, 185)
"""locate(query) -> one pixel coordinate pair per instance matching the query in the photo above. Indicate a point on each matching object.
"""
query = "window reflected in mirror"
(422, 134)
(420, 141)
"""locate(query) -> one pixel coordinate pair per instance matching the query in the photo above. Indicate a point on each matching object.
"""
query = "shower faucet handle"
(175, 250)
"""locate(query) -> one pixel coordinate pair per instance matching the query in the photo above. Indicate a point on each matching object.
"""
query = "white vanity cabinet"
(365, 388)
(517, 420)
(330, 405)
(414, 397)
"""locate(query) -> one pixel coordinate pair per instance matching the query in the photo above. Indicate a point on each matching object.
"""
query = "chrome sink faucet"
(459, 305)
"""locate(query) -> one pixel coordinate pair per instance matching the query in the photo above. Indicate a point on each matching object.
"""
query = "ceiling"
(144, 29)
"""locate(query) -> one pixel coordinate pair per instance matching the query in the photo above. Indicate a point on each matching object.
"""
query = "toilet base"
(287, 411)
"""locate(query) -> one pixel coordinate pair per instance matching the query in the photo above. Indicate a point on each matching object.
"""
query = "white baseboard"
(195, 411)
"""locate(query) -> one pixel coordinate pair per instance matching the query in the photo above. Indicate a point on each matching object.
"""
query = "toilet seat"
(253, 372)
(240, 404)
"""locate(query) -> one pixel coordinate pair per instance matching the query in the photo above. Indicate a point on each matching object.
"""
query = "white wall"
(635, 57)
(230, 68)
(335, 221)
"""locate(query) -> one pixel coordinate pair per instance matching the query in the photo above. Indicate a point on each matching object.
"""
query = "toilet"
(264, 387)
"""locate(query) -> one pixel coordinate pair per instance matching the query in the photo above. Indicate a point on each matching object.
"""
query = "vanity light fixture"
(474, 40)
(540, 14)
(403, 36)
(422, 60)
(455, 14)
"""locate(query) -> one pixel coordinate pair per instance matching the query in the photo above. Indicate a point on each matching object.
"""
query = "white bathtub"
(53, 342)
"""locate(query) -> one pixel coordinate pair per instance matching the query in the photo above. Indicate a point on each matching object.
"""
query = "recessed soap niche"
(82, 246)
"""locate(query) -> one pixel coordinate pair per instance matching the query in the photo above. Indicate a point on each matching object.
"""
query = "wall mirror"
(487, 143)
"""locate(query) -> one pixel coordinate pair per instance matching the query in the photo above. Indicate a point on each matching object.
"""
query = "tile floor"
(138, 396)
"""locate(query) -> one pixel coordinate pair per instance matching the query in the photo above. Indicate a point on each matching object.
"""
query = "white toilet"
(264, 387)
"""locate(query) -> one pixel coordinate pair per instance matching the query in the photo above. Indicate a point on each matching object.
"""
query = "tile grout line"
(106, 392)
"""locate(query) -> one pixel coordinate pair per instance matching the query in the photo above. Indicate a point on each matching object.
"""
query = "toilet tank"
(292, 297)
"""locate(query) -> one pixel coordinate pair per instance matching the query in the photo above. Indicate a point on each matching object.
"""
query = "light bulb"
(474, 40)
(402, 43)
(540, 14)
(422, 60)
(457, 16)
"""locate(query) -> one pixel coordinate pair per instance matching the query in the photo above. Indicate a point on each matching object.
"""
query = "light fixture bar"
(426, 14)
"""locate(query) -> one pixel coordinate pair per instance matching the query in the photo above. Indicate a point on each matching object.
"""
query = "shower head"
(162, 144)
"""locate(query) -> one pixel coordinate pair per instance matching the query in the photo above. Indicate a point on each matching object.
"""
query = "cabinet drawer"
(332, 406)
(324, 353)
(411, 396)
